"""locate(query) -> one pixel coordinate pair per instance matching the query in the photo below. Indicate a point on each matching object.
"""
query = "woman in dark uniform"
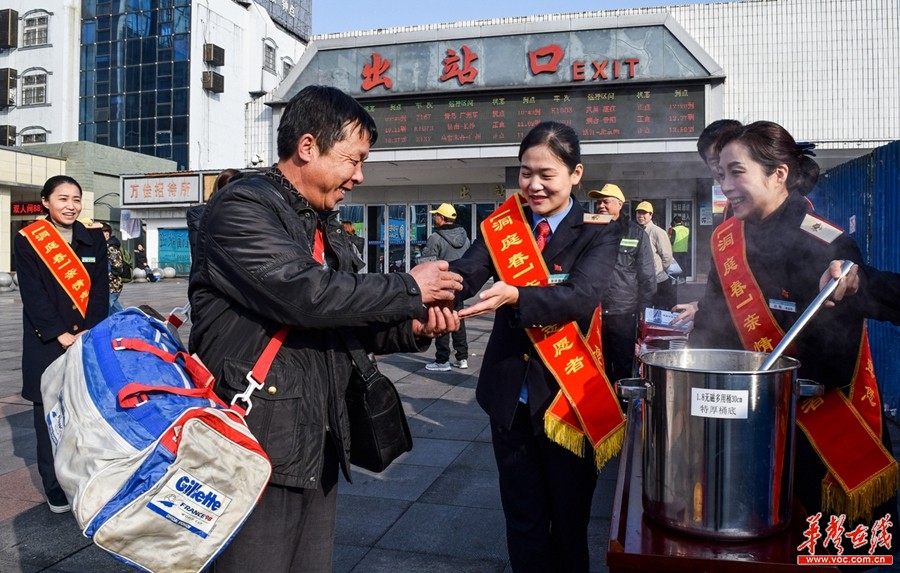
(61, 268)
(545, 488)
(767, 261)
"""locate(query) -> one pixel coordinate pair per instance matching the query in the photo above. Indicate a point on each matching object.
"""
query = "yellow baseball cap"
(645, 206)
(609, 190)
(446, 211)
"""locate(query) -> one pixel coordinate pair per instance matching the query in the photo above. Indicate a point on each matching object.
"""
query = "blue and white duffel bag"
(160, 473)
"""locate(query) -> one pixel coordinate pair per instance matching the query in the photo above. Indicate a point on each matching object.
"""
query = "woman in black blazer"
(546, 490)
(57, 307)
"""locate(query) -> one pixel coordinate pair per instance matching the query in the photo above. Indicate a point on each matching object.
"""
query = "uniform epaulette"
(820, 228)
(597, 218)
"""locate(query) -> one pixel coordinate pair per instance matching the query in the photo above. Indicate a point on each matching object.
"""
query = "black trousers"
(666, 295)
(546, 493)
(52, 489)
(460, 342)
(290, 531)
(619, 337)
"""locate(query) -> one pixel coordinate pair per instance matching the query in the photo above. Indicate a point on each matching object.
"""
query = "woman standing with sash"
(61, 268)
(554, 418)
(767, 260)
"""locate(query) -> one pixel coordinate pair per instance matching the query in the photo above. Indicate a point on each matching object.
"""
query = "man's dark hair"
(325, 113)
(713, 132)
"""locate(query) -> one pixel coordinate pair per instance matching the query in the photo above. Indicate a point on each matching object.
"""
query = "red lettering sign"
(26, 208)
(553, 54)
(465, 74)
(373, 74)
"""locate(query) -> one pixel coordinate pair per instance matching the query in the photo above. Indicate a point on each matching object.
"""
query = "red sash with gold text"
(586, 406)
(61, 261)
(844, 430)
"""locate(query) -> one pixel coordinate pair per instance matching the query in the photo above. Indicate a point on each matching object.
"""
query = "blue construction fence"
(863, 197)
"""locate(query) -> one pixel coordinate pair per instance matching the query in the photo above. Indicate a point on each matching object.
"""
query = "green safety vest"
(680, 243)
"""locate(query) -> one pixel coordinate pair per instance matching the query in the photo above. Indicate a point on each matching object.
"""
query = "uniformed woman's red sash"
(61, 260)
(586, 406)
(844, 430)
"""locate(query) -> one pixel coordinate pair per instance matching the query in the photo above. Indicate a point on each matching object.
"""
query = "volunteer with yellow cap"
(449, 242)
(631, 288)
(662, 256)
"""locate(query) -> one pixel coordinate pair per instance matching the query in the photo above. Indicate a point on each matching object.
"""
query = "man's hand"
(492, 299)
(436, 321)
(686, 312)
(436, 282)
(847, 286)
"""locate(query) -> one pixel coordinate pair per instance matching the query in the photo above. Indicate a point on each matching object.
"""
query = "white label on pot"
(730, 404)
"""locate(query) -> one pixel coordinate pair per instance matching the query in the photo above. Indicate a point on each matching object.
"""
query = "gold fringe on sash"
(609, 448)
(573, 440)
(563, 434)
(861, 503)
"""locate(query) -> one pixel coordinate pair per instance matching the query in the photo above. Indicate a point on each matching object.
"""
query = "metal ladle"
(806, 317)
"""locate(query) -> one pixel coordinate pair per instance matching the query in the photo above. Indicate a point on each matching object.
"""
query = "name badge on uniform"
(784, 305)
(556, 279)
(628, 242)
(88, 259)
(597, 218)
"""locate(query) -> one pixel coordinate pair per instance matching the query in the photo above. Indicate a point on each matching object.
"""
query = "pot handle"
(810, 388)
(632, 388)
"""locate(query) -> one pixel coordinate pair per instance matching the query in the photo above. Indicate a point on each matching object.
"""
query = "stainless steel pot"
(718, 440)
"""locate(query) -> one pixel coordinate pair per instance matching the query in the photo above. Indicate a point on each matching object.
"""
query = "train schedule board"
(614, 113)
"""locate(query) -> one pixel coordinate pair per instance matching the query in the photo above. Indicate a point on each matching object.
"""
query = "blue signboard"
(175, 250)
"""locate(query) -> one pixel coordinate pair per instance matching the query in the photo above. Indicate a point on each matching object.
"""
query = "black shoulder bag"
(379, 432)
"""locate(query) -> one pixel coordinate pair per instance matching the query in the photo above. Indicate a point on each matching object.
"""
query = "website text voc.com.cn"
(867, 560)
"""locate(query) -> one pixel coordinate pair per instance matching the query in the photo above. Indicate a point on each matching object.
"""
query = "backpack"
(124, 271)
(159, 471)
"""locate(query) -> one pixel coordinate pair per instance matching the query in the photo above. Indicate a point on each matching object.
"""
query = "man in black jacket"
(271, 253)
(631, 289)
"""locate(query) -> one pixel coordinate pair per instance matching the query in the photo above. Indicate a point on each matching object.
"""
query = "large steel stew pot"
(718, 440)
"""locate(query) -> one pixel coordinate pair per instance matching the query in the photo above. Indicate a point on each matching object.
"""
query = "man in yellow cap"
(448, 243)
(662, 256)
(631, 289)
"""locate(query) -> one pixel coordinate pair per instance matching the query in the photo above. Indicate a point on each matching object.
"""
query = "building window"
(34, 137)
(36, 30)
(269, 57)
(286, 66)
(34, 89)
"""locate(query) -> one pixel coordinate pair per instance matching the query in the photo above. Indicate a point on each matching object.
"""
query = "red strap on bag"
(257, 375)
(200, 376)
(135, 394)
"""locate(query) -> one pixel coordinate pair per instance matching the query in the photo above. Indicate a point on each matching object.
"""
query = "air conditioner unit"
(213, 55)
(213, 82)
(8, 135)
(9, 29)
(7, 87)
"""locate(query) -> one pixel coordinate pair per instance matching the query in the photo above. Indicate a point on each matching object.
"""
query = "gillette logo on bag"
(191, 488)
(186, 501)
